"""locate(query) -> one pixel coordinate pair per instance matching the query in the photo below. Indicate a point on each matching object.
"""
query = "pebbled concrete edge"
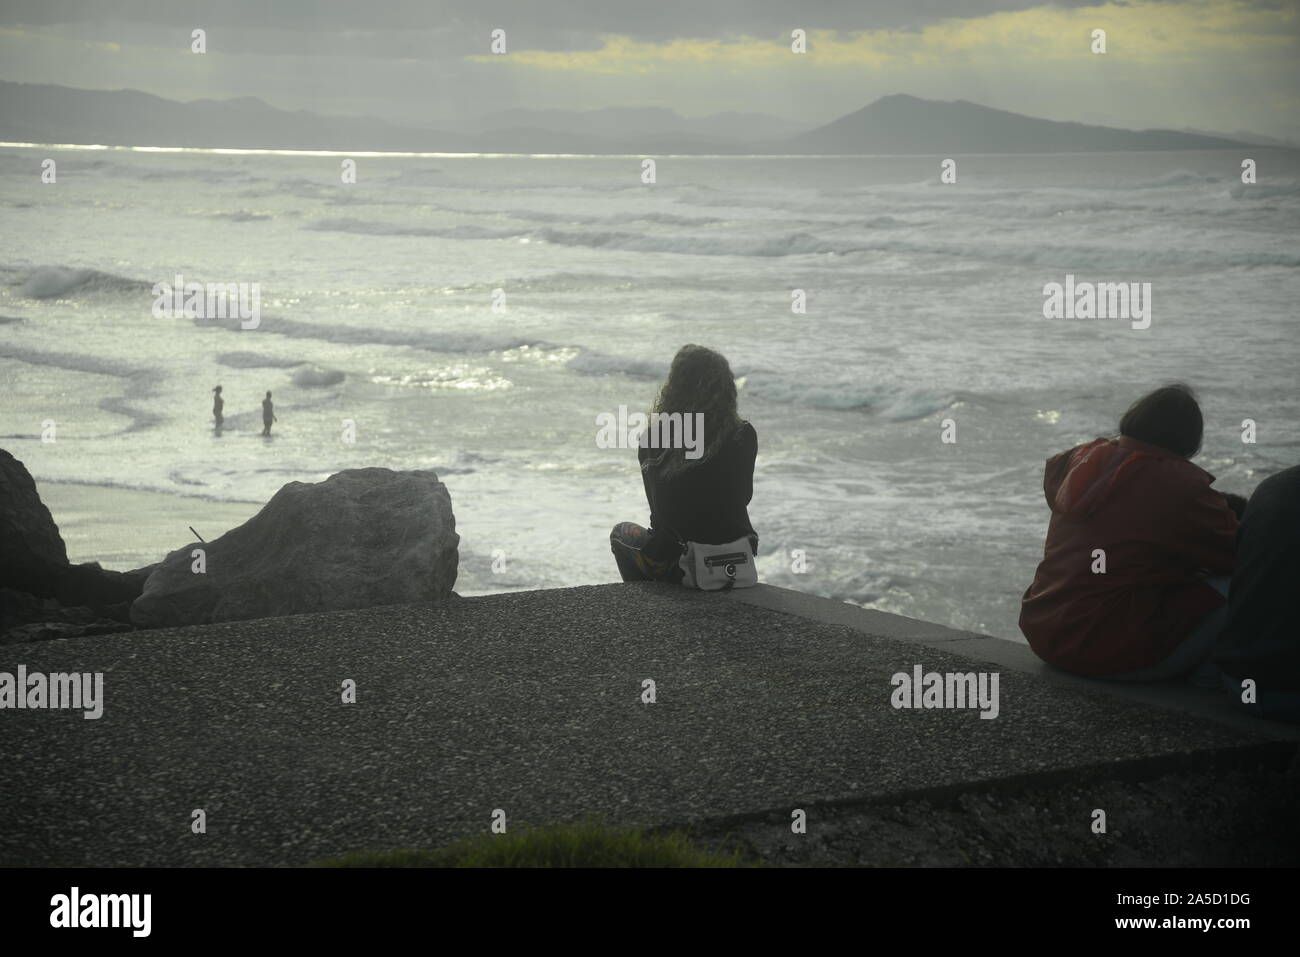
(1173, 696)
(1274, 756)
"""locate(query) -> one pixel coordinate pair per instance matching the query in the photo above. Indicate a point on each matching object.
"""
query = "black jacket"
(706, 502)
(1260, 639)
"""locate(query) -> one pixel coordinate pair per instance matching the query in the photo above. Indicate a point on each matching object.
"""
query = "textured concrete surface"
(531, 703)
(1010, 655)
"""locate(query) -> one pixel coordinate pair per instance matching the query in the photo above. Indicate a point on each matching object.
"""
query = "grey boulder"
(28, 530)
(363, 537)
(34, 561)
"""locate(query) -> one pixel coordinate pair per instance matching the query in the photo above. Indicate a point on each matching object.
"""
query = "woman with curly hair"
(698, 493)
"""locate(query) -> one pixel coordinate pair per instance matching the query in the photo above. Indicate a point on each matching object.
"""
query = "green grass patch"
(573, 845)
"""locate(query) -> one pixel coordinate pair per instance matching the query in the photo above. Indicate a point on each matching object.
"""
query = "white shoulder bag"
(717, 567)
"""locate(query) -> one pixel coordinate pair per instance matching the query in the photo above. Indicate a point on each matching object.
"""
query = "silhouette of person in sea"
(268, 414)
(217, 405)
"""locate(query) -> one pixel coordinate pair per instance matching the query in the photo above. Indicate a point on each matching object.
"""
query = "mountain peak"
(905, 124)
(899, 98)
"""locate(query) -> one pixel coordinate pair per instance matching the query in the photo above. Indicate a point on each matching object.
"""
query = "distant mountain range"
(900, 124)
(906, 124)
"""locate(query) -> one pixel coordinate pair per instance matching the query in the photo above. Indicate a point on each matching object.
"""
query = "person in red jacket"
(1133, 579)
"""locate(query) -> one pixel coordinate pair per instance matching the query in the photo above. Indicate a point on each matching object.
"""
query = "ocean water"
(924, 304)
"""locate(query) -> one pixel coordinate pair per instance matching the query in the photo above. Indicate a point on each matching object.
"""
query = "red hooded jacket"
(1161, 526)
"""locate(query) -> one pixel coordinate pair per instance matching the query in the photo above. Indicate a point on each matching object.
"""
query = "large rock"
(34, 560)
(27, 530)
(362, 537)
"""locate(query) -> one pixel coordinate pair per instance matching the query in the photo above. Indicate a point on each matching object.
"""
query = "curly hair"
(699, 380)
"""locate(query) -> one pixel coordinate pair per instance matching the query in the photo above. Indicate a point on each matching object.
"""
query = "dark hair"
(699, 380)
(1168, 417)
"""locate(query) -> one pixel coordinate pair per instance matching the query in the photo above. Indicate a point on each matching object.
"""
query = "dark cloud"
(533, 24)
(414, 61)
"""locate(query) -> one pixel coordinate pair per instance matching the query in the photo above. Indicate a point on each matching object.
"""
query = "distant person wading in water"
(700, 497)
(217, 405)
(268, 414)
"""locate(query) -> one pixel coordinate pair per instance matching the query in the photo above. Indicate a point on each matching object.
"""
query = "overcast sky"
(1221, 65)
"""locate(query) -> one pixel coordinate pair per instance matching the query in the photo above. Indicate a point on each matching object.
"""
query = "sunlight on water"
(924, 304)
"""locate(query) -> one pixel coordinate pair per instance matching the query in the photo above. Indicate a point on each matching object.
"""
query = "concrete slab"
(529, 702)
(1176, 695)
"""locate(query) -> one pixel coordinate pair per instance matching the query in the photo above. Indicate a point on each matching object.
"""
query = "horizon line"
(409, 154)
